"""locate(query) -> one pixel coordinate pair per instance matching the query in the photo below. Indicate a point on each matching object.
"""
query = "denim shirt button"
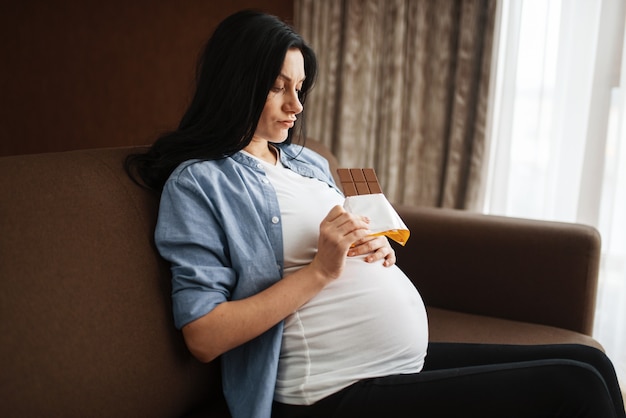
(275, 219)
(265, 181)
(259, 165)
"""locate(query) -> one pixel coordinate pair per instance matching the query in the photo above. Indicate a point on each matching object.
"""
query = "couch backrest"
(86, 326)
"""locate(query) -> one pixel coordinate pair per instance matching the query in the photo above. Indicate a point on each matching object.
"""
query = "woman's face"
(282, 104)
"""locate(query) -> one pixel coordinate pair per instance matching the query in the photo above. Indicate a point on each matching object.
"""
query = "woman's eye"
(283, 89)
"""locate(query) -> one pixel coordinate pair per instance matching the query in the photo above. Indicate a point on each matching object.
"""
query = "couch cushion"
(450, 326)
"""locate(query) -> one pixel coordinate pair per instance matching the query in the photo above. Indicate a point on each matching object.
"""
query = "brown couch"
(86, 328)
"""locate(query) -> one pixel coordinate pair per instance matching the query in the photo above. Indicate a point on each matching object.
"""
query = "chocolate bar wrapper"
(384, 220)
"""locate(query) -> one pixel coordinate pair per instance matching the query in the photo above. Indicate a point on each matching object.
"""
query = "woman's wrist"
(319, 275)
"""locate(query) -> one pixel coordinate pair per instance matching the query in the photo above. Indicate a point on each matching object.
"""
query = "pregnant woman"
(306, 309)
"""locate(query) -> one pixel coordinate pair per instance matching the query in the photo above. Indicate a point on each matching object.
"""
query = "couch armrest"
(526, 270)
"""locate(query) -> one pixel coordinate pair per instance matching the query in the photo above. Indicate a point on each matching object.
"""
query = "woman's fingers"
(343, 227)
(377, 247)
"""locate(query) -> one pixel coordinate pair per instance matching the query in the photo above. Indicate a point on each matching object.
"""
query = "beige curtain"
(403, 88)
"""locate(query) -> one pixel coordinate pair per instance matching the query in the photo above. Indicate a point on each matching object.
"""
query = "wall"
(86, 74)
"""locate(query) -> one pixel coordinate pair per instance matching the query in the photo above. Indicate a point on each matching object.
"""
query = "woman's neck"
(263, 150)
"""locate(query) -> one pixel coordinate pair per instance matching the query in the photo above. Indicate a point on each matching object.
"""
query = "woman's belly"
(369, 322)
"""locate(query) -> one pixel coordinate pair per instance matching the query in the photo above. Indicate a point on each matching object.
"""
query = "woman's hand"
(377, 247)
(338, 231)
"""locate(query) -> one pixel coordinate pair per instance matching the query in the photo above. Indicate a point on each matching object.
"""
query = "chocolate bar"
(358, 181)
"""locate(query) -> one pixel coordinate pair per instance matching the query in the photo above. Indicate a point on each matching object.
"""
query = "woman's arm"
(233, 323)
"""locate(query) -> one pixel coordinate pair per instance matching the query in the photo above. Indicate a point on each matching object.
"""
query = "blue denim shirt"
(219, 226)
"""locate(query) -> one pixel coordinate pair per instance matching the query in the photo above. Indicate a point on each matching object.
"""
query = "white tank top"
(370, 322)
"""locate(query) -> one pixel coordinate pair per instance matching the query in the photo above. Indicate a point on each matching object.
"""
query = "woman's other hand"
(377, 248)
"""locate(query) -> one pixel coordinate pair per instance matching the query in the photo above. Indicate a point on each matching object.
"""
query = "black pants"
(483, 380)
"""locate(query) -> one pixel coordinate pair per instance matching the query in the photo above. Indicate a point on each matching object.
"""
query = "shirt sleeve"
(190, 236)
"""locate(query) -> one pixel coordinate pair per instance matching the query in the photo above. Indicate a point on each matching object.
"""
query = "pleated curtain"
(403, 88)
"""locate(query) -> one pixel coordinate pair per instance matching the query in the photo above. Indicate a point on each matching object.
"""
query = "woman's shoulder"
(192, 168)
(199, 171)
(221, 170)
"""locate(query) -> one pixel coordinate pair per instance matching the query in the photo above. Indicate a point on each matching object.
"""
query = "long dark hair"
(235, 73)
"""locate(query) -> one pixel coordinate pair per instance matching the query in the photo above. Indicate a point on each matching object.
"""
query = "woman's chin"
(278, 140)
(275, 138)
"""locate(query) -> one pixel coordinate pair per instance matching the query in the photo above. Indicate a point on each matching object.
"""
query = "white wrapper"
(384, 220)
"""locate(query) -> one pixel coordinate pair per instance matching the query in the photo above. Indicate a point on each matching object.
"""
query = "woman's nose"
(293, 104)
